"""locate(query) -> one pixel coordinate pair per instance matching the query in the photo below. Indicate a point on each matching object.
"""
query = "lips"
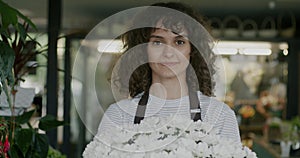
(169, 63)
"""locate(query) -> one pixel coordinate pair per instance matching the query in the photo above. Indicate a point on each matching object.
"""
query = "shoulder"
(208, 101)
(213, 105)
(122, 106)
(212, 101)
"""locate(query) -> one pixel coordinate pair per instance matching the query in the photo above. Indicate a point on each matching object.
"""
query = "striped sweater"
(212, 111)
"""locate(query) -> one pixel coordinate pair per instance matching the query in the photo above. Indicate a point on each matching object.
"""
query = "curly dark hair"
(174, 16)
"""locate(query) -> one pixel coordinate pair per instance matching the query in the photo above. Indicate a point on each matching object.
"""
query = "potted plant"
(18, 138)
(17, 52)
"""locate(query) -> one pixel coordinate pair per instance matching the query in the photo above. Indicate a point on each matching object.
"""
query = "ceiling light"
(252, 51)
(110, 46)
(225, 51)
(248, 47)
(243, 44)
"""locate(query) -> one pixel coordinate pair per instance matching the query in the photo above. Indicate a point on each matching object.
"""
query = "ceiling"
(84, 14)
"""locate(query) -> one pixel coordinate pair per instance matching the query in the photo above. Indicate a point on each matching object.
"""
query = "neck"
(169, 88)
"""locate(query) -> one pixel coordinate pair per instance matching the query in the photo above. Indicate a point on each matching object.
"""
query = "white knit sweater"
(212, 111)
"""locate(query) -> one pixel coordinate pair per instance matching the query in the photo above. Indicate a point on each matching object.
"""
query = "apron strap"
(141, 109)
(195, 108)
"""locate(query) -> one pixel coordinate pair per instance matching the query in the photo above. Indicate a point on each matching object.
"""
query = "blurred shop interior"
(258, 43)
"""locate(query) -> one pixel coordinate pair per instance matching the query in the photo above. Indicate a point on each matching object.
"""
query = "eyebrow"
(160, 37)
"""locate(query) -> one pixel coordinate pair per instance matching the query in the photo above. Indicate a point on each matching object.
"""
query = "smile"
(169, 63)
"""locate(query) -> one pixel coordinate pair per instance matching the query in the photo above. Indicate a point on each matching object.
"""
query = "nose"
(168, 51)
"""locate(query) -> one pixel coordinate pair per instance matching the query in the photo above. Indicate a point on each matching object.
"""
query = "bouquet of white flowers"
(172, 137)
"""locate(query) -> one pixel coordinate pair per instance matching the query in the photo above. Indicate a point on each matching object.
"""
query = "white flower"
(183, 152)
(187, 143)
(249, 153)
(163, 154)
(220, 150)
(95, 149)
(203, 150)
(170, 137)
(180, 122)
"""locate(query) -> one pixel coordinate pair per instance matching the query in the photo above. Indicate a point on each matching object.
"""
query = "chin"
(170, 74)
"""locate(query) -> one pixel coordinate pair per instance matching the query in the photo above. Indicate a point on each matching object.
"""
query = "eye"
(157, 43)
(180, 42)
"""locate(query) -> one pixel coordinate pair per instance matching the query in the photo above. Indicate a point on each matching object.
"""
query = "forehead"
(177, 29)
(168, 33)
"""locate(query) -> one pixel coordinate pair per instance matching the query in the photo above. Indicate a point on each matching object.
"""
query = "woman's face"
(168, 53)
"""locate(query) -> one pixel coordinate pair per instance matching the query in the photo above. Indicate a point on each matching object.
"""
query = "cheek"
(186, 59)
(187, 54)
(153, 55)
(152, 66)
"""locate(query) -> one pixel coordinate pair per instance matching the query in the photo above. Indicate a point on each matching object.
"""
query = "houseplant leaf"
(8, 16)
(41, 146)
(7, 58)
(22, 32)
(25, 117)
(50, 122)
(15, 151)
(26, 19)
(23, 139)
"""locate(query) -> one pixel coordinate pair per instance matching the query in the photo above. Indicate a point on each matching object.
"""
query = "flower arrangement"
(247, 111)
(172, 136)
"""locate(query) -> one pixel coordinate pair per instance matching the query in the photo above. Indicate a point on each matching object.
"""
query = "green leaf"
(25, 117)
(50, 122)
(23, 139)
(41, 145)
(5, 35)
(296, 121)
(7, 59)
(54, 153)
(8, 15)
(26, 19)
(15, 152)
(22, 32)
(2, 128)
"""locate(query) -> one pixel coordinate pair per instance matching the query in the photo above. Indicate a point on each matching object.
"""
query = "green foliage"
(7, 59)
(296, 122)
(16, 46)
(10, 16)
(52, 153)
(28, 142)
(25, 117)
(49, 122)
(16, 49)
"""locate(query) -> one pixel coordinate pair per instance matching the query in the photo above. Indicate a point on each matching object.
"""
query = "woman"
(167, 69)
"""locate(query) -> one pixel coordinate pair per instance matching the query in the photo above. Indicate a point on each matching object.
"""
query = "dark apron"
(195, 108)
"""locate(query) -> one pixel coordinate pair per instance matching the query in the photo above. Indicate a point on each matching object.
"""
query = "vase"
(285, 148)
